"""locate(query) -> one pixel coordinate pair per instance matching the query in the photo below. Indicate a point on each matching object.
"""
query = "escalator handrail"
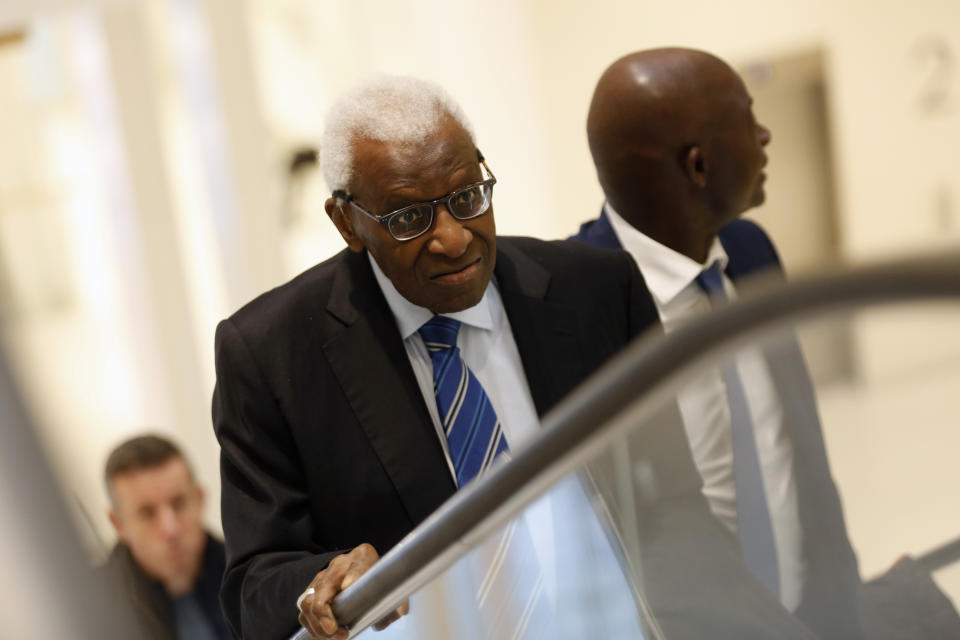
(646, 373)
(940, 557)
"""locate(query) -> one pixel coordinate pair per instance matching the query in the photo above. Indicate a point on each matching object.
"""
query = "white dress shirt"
(486, 345)
(670, 277)
(561, 522)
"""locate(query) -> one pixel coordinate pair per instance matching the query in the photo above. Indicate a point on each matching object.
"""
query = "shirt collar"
(410, 317)
(665, 271)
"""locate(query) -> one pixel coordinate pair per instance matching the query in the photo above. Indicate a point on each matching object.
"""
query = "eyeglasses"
(414, 220)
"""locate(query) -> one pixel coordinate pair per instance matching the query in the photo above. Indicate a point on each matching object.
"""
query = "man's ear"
(116, 522)
(695, 165)
(335, 209)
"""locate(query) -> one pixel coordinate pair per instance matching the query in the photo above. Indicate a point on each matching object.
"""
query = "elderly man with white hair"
(336, 406)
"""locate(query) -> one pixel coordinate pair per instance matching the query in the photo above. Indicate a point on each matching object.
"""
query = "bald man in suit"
(680, 157)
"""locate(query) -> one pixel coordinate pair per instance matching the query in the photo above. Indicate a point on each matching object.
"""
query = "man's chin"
(176, 588)
(450, 297)
(457, 303)
(180, 582)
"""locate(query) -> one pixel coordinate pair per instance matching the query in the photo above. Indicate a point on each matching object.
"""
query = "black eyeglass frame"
(385, 218)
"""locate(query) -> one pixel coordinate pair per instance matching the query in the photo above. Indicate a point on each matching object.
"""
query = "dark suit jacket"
(325, 437)
(150, 602)
(830, 601)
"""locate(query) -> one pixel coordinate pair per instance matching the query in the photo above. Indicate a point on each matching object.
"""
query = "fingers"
(400, 611)
(361, 559)
(309, 592)
(316, 615)
(319, 615)
(317, 631)
(383, 623)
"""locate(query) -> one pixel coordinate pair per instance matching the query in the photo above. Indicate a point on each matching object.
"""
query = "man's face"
(738, 152)
(447, 268)
(157, 512)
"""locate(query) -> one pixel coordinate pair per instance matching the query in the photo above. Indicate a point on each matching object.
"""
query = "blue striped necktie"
(510, 589)
(474, 434)
(754, 526)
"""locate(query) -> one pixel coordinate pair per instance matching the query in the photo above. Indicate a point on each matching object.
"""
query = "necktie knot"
(440, 333)
(711, 281)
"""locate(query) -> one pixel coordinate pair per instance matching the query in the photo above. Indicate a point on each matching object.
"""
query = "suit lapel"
(599, 232)
(374, 371)
(545, 332)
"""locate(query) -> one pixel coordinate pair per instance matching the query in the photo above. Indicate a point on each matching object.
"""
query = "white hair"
(387, 109)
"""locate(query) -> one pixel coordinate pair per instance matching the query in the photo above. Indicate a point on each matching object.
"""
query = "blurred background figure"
(164, 561)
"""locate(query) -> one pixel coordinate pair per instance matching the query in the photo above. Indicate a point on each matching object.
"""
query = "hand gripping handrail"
(645, 372)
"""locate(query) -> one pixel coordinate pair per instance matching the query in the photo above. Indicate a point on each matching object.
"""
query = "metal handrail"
(640, 378)
(942, 556)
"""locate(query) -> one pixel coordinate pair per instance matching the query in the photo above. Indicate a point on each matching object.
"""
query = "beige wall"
(891, 160)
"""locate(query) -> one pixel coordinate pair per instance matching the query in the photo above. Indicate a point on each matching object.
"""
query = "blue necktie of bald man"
(754, 526)
(510, 592)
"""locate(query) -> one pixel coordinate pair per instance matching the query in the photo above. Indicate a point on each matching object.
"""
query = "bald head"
(654, 98)
(674, 141)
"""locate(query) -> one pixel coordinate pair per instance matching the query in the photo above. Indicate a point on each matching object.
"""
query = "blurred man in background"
(164, 560)
(680, 157)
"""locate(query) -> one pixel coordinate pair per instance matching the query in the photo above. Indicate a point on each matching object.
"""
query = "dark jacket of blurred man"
(680, 156)
(164, 560)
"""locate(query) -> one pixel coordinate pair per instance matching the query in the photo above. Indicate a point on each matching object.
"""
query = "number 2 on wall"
(936, 93)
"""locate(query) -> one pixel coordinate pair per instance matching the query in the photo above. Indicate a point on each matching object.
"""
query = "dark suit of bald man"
(830, 597)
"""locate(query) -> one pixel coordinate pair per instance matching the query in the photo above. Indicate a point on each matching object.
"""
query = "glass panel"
(893, 432)
(551, 572)
(859, 474)
(860, 481)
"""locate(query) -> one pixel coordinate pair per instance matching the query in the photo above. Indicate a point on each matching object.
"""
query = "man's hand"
(316, 616)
